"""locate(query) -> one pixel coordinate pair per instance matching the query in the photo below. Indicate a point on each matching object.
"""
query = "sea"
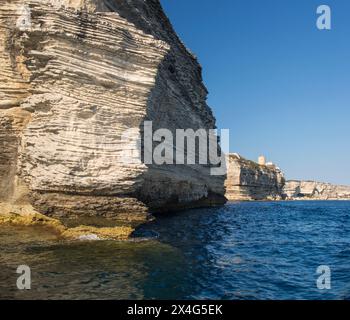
(242, 251)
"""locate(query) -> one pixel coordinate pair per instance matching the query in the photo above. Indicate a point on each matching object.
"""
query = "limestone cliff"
(247, 180)
(312, 190)
(75, 74)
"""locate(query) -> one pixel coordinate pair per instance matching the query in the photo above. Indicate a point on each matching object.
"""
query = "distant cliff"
(248, 180)
(312, 190)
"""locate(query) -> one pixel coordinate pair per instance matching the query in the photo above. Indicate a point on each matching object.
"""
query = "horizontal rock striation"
(247, 180)
(312, 190)
(75, 75)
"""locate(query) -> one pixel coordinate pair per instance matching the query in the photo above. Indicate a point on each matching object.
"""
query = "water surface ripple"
(250, 250)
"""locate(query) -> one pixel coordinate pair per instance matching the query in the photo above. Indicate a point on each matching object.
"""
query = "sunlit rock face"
(247, 180)
(312, 190)
(75, 74)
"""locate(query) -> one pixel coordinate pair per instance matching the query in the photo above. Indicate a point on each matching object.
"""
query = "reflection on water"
(240, 251)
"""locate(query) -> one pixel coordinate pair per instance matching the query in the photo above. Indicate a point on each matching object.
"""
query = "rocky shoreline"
(246, 181)
(25, 215)
(251, 181)
(75, 76)
(312, 190)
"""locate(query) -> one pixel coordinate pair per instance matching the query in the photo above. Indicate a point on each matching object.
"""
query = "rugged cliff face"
(75, 74)
(247, 180)
(311, 190)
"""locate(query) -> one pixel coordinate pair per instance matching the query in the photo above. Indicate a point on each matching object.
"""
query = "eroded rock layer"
(312, 190)
(75, 75)
(247, 180)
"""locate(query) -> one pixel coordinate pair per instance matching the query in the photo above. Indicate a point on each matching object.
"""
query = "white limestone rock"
(75, 74)
(312, 190)
(247, 180)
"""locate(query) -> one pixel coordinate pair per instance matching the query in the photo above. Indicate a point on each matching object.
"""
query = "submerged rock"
(25, 215)
(74, 76)
(93, 233)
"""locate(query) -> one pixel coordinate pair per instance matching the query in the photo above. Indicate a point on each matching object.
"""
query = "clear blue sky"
(278, 83)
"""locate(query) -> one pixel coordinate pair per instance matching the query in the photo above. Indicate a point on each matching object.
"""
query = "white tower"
(262, 161)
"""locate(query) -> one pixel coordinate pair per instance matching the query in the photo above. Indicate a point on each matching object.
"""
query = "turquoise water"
(257, 250)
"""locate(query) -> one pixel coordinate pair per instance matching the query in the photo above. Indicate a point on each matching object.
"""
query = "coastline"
(26, 216)
(264, 181)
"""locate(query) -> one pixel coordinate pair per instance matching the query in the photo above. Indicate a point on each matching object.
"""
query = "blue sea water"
(248, 250)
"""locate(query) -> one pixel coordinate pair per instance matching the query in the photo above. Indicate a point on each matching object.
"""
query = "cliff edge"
(312, 190)
(75, 75)
(248, 180)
